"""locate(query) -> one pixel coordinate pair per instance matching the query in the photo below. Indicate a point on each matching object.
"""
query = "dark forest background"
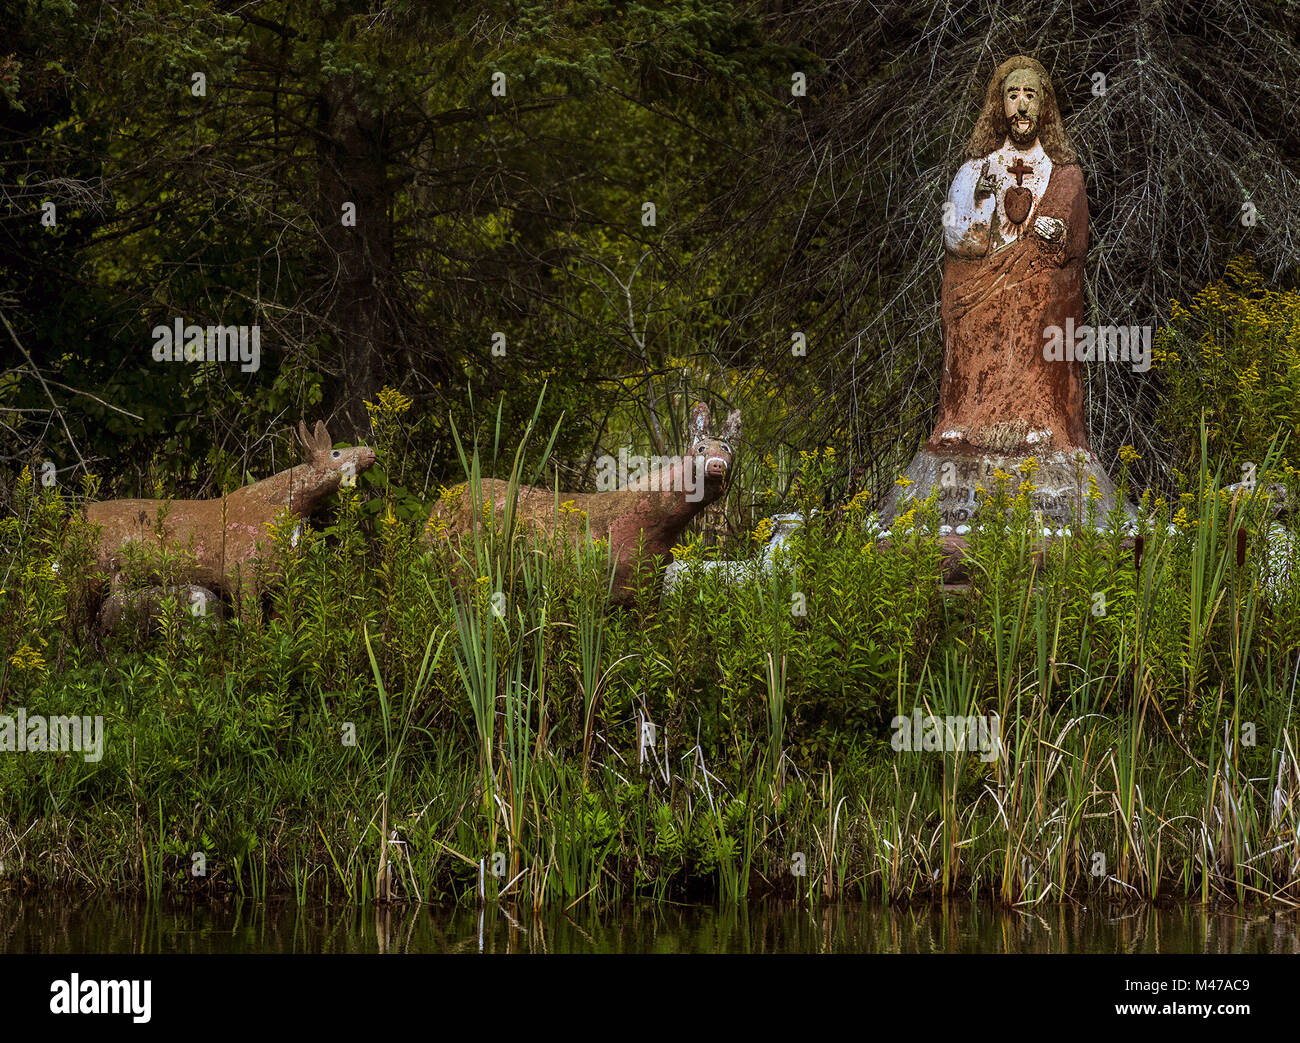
(776, 213)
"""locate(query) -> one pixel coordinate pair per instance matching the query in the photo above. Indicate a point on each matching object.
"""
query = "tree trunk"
(358, 258)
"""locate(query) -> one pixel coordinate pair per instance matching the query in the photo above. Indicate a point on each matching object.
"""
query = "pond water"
(46, 924)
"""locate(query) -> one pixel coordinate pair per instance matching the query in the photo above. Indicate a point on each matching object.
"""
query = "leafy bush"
(1233, 353)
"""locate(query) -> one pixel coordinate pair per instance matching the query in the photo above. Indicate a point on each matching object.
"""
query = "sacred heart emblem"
(1018, 202)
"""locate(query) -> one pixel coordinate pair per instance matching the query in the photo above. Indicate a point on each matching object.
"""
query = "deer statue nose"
(715, 467)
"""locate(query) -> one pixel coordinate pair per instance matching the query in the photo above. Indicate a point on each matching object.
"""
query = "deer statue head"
(326, 468)
(712, 454)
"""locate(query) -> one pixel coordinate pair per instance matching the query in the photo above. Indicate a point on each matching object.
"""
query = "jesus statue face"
(1022, 102)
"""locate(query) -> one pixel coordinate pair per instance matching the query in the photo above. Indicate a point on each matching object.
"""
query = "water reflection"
(84, 925)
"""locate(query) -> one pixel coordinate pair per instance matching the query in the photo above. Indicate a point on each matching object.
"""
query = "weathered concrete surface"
(1060, 481)
(143, 607)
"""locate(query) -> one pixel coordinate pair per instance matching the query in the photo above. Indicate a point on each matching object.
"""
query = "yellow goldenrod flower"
(685, 551)
(390, 403)
(27, 660)
(858, 506)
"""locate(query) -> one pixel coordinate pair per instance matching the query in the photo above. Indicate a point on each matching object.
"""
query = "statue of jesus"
(1015, 233)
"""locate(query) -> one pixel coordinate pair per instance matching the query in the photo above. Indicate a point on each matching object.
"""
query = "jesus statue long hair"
(991, 128)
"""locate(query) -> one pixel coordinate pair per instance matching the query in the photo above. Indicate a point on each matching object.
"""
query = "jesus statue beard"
(1026, 140)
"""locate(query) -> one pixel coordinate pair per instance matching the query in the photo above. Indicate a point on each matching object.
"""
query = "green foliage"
(1233, 355)
(519, 733)
(222, 209)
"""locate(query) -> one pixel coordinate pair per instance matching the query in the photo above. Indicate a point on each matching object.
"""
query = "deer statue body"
(224, 535)
(649, 515)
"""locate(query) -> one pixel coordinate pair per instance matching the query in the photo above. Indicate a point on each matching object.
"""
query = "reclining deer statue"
(224, 535)
(650, 513)
(738, 573)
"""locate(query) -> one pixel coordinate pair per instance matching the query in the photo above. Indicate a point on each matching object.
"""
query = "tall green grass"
(494, 696)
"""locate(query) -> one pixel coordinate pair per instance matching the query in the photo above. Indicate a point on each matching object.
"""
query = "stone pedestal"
(1060, 480)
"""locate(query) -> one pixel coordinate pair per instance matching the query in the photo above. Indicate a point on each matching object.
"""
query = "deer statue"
(737, 573)
(224, 535)
(649, 514)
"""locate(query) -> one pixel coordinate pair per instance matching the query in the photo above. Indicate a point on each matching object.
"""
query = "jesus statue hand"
(1050, 228)
(986, 185)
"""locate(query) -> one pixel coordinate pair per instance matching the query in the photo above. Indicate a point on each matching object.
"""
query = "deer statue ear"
(303, 436)
(699, 426)
(321, 436)
(731, 429)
